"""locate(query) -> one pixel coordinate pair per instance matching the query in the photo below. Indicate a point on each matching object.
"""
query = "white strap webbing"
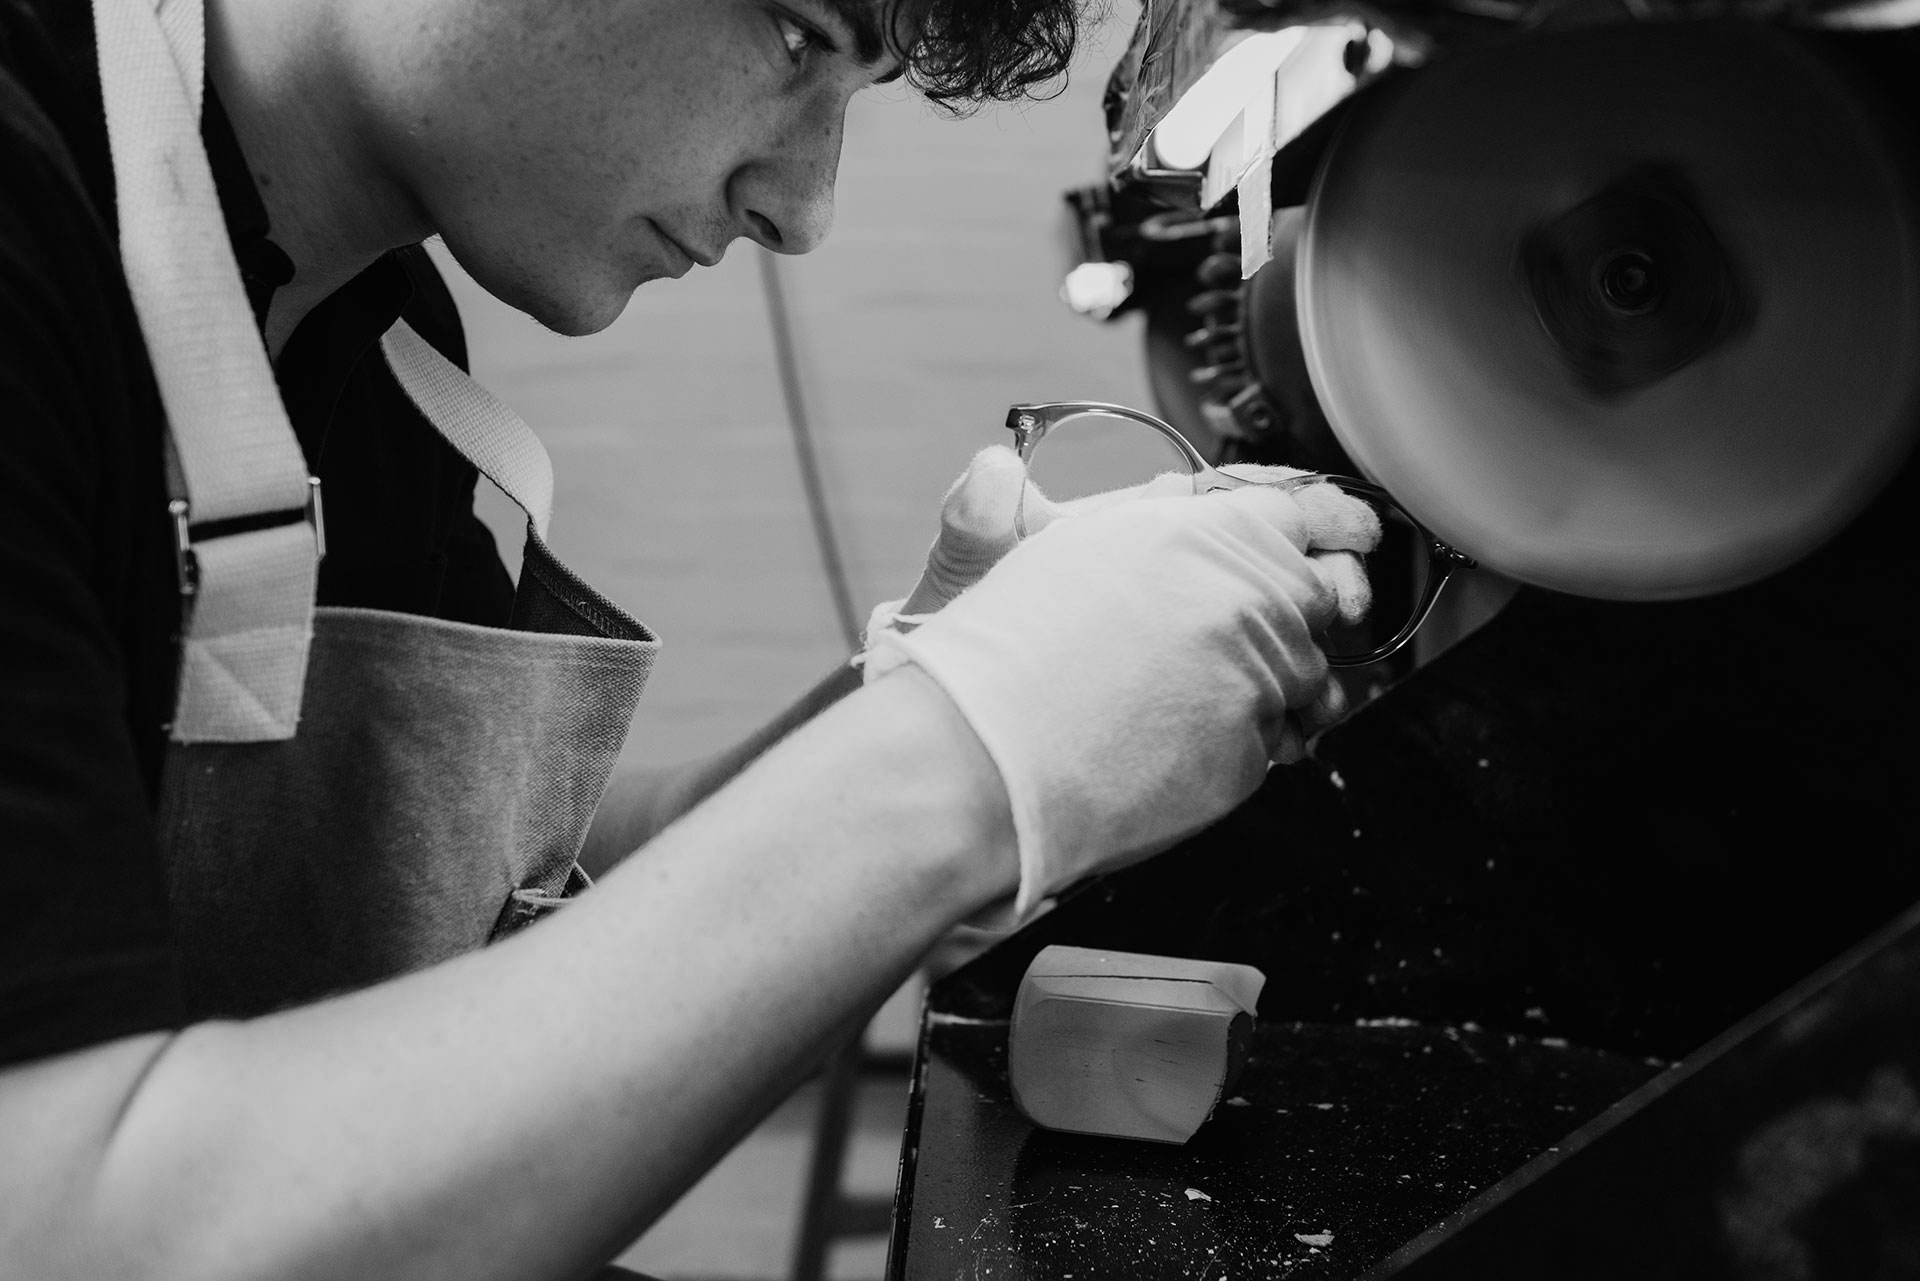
(184, 23)
(243, 656)
(250, 622)
(491, 436)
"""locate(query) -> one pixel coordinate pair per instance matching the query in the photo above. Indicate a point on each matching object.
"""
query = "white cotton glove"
(977, 528)
(1130, 670)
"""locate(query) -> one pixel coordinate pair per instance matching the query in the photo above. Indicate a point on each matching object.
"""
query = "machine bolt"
(1631, 282)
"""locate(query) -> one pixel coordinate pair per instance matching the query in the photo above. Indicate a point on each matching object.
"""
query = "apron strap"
(487, 433)
(248, 518)
(246, 513)
(184, 23)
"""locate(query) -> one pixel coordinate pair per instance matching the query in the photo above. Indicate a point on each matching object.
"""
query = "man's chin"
(572, 307)
(575, 315)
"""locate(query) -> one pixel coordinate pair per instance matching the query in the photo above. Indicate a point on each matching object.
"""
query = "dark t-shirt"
(88, 604)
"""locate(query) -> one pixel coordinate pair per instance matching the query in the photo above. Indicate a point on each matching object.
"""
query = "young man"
(181, 1095)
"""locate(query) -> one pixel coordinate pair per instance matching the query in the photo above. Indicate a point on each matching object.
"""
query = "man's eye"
(801, 41)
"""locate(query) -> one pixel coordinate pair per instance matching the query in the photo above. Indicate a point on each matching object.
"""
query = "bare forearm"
(522, 1112)
(640, 804)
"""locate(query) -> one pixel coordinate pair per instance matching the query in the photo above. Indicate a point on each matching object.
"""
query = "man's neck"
(288, 92)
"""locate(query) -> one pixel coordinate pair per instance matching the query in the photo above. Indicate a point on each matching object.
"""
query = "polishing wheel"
(1631, 312)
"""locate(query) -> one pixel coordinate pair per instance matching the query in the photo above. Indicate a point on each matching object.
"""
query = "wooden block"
(1128, 1045)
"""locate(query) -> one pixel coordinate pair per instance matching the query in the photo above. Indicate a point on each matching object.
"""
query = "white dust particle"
(1314, 1238)
(1391, 1021)
(1324, 1107)
(1195, 1194)
(1333, 776)
(1535, 1013)
(1557, 1042)
(1239, 1101)
(939, 1222)
(1482, 762)
(1356, 833)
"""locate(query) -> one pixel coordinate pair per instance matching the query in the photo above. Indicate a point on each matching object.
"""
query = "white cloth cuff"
(889, 649)
(886, 619)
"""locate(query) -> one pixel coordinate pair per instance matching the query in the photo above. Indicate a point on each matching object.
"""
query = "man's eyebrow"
(861, 18)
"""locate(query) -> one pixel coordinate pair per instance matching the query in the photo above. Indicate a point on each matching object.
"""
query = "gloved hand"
(1130, 670)
(977, 529)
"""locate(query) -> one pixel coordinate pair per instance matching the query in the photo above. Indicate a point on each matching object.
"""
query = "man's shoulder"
(52, 129)
(59, 261)
(63, 303)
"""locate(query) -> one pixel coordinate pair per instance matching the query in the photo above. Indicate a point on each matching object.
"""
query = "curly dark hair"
(975, 51)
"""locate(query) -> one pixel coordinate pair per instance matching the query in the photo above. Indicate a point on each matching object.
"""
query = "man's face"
(569, 151)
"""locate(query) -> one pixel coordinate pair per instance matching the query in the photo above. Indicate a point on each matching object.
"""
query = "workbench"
(1515, 889)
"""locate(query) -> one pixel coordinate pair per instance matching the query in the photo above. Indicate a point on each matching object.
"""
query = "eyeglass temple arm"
(1030, 423)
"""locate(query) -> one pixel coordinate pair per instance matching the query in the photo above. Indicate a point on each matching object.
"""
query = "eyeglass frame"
(1031, 423)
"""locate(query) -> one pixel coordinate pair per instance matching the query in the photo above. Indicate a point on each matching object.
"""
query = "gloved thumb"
(976, 528)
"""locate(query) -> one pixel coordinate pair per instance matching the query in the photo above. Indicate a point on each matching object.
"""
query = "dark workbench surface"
(1603, 833)
(1339, 1144)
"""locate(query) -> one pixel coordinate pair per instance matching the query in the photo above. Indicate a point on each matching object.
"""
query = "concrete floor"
(931, 308)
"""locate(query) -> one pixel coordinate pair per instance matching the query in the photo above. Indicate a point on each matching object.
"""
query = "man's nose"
(786, 198)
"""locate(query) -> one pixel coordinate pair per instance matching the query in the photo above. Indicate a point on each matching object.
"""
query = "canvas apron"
(416, 787)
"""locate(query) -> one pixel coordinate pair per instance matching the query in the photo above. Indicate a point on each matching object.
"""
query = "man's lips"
(692, 258)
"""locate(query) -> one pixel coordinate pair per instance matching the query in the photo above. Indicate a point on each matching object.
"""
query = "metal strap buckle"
(186, 564)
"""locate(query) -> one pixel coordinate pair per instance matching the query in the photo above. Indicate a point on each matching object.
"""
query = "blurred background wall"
(932, 307)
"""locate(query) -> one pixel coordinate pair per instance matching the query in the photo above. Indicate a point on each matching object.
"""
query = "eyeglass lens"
(1094, 453)
(1398, 570)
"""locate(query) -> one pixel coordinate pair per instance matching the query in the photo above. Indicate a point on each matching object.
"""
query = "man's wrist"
(931, 755)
